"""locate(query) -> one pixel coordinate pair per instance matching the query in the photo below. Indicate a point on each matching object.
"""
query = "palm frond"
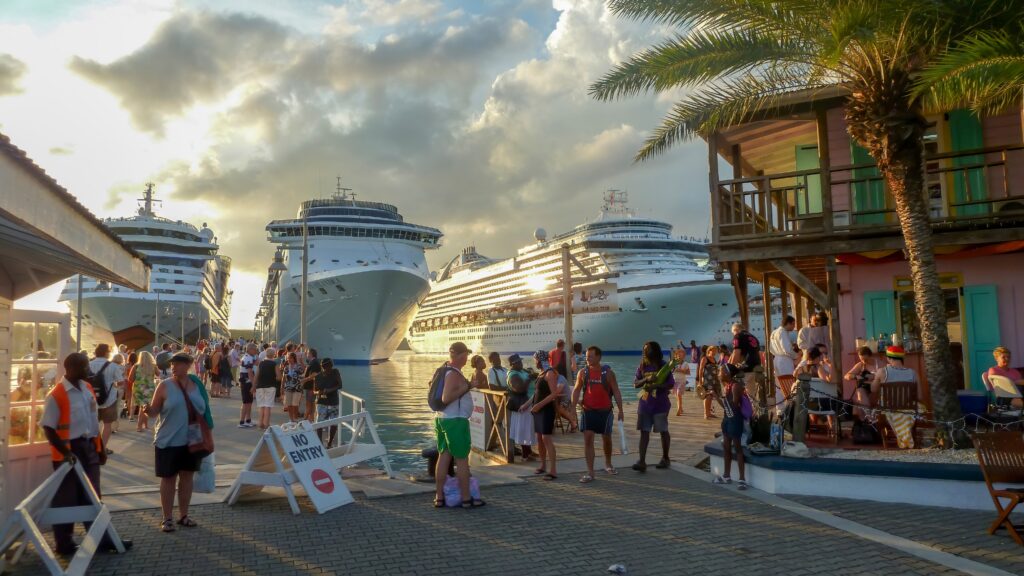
(721, 105)
(761, 14)
(984, 72)
(698, 57)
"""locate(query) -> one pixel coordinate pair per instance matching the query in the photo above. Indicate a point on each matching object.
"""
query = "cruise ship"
(641, 283)
(188, 298)
(366, 273)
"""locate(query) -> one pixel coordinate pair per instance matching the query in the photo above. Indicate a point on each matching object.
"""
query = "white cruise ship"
(644, 285)
(188, 298)
(366, 275)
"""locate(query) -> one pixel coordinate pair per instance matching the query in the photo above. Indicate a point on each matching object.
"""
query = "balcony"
(787, 214)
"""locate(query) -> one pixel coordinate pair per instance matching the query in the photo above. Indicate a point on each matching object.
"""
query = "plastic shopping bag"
(452, 494)
(206, 478)
(622, 437)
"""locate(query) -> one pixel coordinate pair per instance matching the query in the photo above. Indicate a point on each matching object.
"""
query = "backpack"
(436, 388)
(163, 360)
(604, 382)
(99, 385)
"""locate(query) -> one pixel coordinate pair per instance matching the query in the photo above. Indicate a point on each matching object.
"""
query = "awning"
(46, 235)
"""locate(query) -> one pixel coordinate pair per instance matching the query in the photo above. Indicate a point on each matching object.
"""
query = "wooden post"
(825, 167)
(766, 288)
(835, 334)
(800, 413)
(716, 193)
(784, 293)
(801, 316)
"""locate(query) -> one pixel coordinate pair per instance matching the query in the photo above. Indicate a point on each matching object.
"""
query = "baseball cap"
(459, 348)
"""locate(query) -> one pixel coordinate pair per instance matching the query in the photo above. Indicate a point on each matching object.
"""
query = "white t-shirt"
(247, 363)
(497, 377)
(113, 374)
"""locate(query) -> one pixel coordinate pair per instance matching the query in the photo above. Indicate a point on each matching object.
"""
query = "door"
(808, 195)
(39, 342)
(869, 193)
(981, 311)
(879, 313)
(968, 185)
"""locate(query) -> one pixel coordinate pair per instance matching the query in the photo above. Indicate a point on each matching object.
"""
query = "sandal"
(473, 503)
(550, 477)
(611, 471)
(439, 503)
(187, 522)
(167, 526)
(586, 479)
(540, 471)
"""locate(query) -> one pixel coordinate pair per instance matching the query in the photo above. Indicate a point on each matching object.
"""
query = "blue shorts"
(596, 421)
(733, 427)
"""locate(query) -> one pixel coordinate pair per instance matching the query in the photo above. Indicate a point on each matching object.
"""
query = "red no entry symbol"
(322, 481)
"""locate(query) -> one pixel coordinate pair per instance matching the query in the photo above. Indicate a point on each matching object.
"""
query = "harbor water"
(395, 394)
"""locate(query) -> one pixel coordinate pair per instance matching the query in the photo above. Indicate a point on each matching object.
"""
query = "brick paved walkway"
(662, 522)
(960, 532)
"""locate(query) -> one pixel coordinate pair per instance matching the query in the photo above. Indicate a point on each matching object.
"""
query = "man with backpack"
(106, 378)
(450, 400)
(595, 387)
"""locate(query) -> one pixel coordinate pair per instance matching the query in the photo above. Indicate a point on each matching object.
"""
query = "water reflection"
(395, 394)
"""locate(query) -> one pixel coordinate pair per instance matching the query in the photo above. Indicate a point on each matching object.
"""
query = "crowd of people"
(562, 384)
(174, 384)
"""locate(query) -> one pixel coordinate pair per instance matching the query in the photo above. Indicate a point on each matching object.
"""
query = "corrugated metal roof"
(21, 158)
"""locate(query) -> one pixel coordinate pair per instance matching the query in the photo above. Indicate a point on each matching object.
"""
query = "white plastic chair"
(822, 390)
(1003, 387)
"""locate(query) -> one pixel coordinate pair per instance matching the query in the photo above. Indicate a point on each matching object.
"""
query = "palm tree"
(736, 58)
(984, 71)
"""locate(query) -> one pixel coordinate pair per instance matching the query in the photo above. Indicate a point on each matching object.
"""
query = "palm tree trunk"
(904, 173)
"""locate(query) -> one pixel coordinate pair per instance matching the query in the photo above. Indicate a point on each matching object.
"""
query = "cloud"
(11, 72)
(479, 124)
(194, 57)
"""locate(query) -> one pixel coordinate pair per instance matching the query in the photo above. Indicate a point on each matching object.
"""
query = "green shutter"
(807, 159)
(981, 326)
(867, 196)
(965, 134)
(879, 313)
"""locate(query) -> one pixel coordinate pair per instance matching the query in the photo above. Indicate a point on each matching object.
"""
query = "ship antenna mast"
(615, 200)
(147, 201)
(341, 192)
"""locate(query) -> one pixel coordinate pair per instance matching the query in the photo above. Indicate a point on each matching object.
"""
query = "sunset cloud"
(470, 117)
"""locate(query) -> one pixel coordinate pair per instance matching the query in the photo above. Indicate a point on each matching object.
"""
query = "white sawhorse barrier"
(271, 465)
(25, 525)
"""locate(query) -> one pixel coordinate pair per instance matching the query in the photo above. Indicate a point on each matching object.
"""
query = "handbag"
(206, 478)
(200, 437)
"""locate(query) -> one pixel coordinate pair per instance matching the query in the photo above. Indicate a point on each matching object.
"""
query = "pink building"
(798, 206)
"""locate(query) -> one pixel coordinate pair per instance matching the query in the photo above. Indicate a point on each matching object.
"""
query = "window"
(34, 371)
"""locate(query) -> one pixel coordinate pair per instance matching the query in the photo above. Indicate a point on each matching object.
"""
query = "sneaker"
(741, 485)
(249, 425)
(640, 466)
(242, 425)
(663, 464)
(722, 480)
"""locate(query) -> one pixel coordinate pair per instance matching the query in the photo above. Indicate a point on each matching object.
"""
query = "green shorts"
(452, 436)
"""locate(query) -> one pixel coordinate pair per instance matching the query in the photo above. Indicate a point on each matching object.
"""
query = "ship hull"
(362, 325)
(666, 313)
(130, 321)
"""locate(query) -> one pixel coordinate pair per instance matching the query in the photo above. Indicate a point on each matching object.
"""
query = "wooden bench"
(1001, 456)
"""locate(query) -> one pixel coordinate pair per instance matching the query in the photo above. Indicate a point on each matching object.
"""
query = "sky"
(471, 117)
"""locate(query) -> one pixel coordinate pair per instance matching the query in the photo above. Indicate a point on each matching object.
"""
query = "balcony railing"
(963, 187)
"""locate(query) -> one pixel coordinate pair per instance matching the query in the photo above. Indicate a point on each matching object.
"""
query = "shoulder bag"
(200, 437)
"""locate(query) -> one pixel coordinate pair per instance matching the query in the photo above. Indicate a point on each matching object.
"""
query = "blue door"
(879, 313)
(981, 325)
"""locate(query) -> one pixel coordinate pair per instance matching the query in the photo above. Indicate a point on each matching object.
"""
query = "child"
(737, 410)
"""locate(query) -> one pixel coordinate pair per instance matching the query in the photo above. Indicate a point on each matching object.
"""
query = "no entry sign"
(313, 467)
(322, 481)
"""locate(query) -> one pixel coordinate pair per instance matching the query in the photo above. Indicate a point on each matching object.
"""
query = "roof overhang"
(46, 235)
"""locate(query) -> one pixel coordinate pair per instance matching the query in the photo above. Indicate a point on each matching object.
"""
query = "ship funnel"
(540, 235)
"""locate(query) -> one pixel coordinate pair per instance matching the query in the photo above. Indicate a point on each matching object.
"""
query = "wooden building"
(799, 207)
